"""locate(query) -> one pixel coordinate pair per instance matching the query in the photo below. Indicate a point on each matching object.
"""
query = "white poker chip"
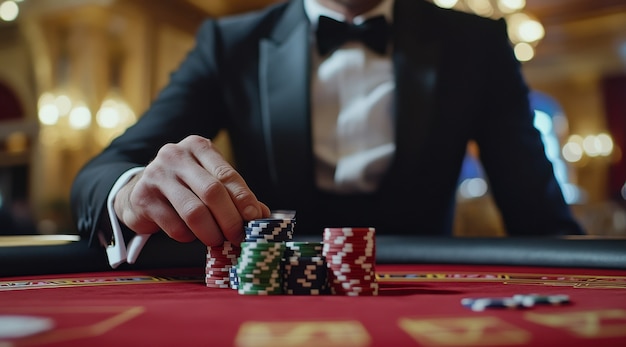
(14, 326)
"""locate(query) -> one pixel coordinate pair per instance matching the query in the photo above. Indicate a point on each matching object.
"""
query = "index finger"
(244, 199)
(241, 199)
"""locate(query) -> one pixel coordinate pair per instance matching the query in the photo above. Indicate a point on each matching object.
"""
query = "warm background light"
(524, 30)
(524, 51)
(48, 114)
(446, 3)
(9, 11)
(509, 6)
(594, 145)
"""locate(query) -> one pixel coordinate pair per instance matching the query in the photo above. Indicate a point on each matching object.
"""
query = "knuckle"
(169, 151)
(140, 197)
(196, 141)
(194, 214)
(151, 173)
(180, 232)
(243, 196)
(212, 190)
(225, 173)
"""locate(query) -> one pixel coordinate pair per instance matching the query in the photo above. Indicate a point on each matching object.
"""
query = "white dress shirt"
(353, 129)
(352, 97)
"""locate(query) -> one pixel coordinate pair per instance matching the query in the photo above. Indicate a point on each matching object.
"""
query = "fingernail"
(250, 212)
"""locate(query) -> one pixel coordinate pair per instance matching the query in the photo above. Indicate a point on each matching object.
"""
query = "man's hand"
(189, 191)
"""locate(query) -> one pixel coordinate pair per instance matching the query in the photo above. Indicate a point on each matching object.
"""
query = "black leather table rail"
(161, 252)
(581, 253)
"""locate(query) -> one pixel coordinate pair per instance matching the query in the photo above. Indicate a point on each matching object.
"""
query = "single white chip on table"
(16, 326)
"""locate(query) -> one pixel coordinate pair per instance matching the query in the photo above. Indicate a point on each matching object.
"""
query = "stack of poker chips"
(304, 269)
(268, 262)
(518, 301)
(269, 230)
(220, 260)
(258, 271)
(351, 258)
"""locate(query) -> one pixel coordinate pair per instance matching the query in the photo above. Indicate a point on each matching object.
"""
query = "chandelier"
(524, 30)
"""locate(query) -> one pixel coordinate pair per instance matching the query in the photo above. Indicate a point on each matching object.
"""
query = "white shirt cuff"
(117, 252)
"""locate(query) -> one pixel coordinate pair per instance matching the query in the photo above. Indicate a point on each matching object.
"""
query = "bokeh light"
(446, 3)
(481, 7)
(509, 6)
(9, 11)
(63, 104)
(48, 114)
(80, 117)
(473, 188)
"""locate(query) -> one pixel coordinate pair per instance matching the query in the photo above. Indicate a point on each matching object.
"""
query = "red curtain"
(614, 92)
(10, 107)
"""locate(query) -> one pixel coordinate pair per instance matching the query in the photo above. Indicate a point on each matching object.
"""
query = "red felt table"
(418, 305)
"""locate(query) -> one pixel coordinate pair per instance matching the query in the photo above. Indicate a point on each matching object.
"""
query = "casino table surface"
(163, 301)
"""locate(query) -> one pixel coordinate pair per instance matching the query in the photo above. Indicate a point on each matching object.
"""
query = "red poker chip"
(346, 247)
(348, 236)
(351, 253)
(352, 262)
(355, 236)
(354, 273)
(219, 265)
(351, 269)
(348, 278)
(338, 261)
(218, 280)
(222, 257)
(349, 249)
(342, 279)
(221, 286)
(220, 268)
(339, 241)
(223, 253)
(356, 286)
(354, 270)
(339, 278)
(214, 262)
(349, 256)
(351, 279)
(366, 278)
(215, 277)
(349, 230)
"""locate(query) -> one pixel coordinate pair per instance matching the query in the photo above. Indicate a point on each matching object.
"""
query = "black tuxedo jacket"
(456, 80)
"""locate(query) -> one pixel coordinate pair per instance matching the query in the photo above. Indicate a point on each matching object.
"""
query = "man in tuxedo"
(366, 132)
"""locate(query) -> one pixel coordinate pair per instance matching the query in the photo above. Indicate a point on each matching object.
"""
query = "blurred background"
(75, 73)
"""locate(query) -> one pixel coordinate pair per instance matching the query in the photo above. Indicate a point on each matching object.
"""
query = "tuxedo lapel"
(285, 103)
(415, 59)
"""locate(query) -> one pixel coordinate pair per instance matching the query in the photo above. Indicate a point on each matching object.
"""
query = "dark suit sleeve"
(511, 149)
(189, 104)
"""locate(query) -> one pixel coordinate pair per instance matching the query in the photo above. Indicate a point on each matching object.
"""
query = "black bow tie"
(331, 34)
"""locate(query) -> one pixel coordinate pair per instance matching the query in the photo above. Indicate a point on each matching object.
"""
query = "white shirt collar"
(314, 9)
